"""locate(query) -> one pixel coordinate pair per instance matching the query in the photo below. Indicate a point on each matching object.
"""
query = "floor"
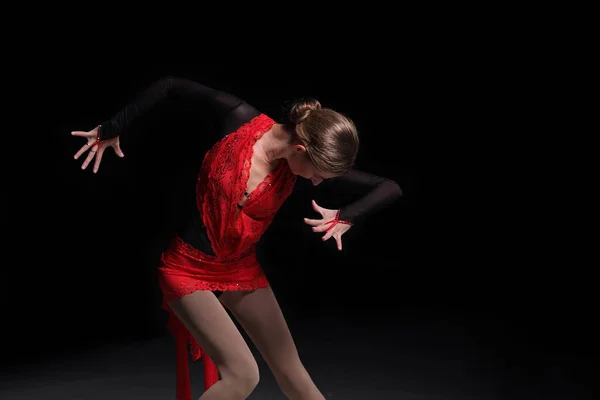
(353, 359)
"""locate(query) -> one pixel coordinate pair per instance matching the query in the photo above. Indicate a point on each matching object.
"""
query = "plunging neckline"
(266, 180)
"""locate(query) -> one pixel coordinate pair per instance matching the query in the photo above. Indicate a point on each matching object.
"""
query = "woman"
(244, 179)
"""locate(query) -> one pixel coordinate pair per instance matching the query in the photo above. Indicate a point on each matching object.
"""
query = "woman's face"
(301, 165)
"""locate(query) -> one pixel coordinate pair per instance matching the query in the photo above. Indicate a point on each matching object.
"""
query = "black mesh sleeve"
(231, 110)
(380, 192)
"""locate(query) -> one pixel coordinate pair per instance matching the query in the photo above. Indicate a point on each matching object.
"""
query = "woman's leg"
(208, 322)
(259, 314)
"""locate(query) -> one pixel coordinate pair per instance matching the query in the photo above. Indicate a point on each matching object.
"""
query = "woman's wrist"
(337, 220)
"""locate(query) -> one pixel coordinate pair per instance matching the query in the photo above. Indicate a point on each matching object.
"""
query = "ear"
(298, 148)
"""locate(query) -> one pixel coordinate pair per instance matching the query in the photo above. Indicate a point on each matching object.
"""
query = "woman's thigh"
(209, 323)
(258, 312)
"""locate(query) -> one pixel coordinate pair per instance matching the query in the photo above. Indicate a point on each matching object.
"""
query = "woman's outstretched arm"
(229, 108)
(380, 192)
(377, 193)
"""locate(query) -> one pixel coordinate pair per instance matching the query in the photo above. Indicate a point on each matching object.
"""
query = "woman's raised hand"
(96, 147)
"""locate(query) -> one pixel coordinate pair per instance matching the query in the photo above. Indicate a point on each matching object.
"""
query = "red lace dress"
(233, 232)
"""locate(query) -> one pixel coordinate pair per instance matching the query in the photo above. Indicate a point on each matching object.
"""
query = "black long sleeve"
(381, 192)
(230, 110)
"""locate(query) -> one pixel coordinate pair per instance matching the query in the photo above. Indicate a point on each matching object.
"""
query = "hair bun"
(301, 110)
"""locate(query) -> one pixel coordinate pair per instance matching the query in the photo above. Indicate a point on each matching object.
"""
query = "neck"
(277, 146)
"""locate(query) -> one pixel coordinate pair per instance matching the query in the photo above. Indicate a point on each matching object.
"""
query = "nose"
(316, 181)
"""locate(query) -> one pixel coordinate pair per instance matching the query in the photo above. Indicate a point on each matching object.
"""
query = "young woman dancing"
(243, 180)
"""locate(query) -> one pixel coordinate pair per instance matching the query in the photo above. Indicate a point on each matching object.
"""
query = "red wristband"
(336, 221)
(97, 142)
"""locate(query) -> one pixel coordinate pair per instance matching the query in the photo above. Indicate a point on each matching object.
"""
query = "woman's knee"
(242, 377)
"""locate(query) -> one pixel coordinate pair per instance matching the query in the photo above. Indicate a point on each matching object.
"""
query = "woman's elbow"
(394, 188)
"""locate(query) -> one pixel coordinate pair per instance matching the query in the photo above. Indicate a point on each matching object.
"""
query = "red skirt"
(184, 269)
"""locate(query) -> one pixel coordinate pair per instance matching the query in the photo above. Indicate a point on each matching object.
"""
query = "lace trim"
(185, 288)
(260, 125)
(191, 251)
(266, 212)
(189, 287)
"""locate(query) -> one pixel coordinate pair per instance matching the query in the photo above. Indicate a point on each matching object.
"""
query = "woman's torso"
(238, 193)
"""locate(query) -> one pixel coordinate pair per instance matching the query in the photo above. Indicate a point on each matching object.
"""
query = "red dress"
(233, 233)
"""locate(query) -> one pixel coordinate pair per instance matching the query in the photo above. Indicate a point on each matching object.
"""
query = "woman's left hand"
(321, 225)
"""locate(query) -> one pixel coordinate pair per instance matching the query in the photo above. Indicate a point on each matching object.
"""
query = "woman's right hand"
(96, 149)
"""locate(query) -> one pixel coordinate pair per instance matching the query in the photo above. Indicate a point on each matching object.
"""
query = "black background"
(98, 237)
(84, 247)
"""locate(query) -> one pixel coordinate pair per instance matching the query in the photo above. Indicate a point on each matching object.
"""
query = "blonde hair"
(330, 138)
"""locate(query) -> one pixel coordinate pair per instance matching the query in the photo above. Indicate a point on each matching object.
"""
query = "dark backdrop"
(90, 269)
(85, 246)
